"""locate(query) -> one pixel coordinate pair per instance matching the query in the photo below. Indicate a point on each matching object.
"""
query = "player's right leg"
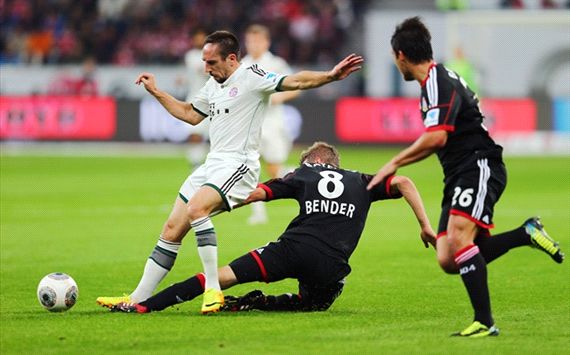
(205, 201)
(161, 259)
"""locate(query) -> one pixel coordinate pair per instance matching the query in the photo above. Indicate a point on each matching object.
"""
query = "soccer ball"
(57, 292)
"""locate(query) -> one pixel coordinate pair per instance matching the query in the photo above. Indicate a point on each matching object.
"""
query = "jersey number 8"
(328, 178)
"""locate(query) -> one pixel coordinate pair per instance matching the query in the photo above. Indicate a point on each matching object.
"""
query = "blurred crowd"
(128, 32)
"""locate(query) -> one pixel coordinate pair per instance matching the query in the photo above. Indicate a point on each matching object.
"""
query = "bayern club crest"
(233, 92)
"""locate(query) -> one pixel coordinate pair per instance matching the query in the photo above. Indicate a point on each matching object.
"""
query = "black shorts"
(321, 278)
(473, 193)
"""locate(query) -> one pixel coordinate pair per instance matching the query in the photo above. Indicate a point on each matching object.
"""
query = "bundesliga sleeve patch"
(273, 77)
(432, 118)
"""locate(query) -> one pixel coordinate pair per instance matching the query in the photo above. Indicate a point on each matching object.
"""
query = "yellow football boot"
(213, 301)
(109, 302)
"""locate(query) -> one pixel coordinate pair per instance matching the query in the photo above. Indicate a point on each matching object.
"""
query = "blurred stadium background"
(67, 67)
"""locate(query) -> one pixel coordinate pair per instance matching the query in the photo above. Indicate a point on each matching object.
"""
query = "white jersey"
(236, 109)
(269, 61)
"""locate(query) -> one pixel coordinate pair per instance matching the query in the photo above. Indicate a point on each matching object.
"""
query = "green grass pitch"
(97, 218)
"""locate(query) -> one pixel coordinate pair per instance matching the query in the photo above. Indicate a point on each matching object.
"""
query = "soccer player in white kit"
(234, 100)
(276, 142)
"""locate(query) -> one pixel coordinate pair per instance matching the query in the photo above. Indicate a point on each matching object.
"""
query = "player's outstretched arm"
(408, 189)
(258, 194)
(423, 147)
(284, 96)
(311, 79)
(181, 110)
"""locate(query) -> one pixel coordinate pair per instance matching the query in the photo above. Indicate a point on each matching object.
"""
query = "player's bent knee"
(447, 265)
(173, 232)
(194, 212)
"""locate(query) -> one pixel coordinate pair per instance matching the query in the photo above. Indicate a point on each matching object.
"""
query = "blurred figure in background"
(462, 66)
(84, 84)
(196, 78)
(446, 5)
(276, 141)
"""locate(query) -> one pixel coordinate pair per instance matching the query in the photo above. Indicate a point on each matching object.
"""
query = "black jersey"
(333, 205)
(448, 104)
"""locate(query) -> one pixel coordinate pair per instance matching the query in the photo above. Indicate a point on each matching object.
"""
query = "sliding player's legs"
(321, 278)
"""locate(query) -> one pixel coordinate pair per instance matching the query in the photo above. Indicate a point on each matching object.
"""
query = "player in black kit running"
(475, 175)
(315, 247)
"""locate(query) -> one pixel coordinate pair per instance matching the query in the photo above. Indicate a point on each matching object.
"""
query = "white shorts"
(233, 179)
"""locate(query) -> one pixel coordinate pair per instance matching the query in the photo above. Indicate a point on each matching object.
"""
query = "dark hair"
(326, 152)
(412, 38)
(227, 42)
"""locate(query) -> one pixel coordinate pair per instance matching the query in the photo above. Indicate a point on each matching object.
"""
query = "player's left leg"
(205, 201)
(229, 183)
(473, 270)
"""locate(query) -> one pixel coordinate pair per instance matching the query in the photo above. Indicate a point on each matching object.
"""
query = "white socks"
(157, 266)
(208, 250)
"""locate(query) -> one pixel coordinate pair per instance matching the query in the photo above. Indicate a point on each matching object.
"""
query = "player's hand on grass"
(258, 194)
(347, 66)
(147, 79)
(384, 172)
(428, 237)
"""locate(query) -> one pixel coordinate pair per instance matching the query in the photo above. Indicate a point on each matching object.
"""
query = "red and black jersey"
(448, 104)
(333, 205)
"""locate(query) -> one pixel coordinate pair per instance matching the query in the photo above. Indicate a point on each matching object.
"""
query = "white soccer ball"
(57, 292)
